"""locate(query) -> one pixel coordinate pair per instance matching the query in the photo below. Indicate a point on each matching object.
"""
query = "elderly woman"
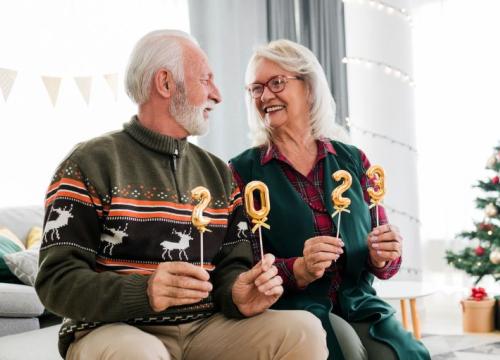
(291, 117)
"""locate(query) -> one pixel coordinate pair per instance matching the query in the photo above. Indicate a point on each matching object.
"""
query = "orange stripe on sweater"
(149, 203)
(70, 194)
(158, 214)
(67, 181)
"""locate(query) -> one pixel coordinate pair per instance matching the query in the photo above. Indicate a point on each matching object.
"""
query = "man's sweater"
(118, 206)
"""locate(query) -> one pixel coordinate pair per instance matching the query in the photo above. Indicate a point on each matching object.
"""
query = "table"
(403, 291)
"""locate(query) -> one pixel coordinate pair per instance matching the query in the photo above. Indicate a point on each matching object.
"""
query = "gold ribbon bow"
(258, 223)
(340, 209)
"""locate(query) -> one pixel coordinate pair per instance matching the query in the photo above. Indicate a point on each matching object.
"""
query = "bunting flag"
(7, 78)
(112, 80)
(84, 84)
(52, 85)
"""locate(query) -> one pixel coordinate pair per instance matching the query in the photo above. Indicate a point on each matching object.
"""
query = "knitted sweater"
(118, 206)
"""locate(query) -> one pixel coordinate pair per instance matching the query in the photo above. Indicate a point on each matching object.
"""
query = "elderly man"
(120, 259)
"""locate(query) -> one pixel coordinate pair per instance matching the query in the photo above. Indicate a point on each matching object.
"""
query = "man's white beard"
(190, 117)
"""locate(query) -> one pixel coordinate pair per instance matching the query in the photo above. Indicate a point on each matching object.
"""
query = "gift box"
(478, 312)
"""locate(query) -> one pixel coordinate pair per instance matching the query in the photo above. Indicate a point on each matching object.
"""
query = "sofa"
(27, 331)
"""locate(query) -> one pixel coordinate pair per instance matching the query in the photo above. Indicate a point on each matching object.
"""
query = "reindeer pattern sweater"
(118, 206)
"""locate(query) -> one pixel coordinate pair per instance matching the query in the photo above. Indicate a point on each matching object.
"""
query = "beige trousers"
(270, 335)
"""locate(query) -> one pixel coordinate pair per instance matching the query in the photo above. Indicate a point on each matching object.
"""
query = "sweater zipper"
(173, 166)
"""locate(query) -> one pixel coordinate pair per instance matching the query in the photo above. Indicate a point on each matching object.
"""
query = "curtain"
(228, 31)
(318, 25)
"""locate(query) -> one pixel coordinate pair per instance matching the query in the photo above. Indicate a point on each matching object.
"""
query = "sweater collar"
(155, 141)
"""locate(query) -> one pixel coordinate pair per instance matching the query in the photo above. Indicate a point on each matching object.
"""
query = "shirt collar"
(325, 147)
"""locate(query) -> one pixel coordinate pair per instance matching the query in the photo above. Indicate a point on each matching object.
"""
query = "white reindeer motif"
(242, 227)
(182, 245)
(115, 239)
(55, 224)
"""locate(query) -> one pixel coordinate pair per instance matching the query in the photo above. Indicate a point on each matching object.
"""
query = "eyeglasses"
(276, 84)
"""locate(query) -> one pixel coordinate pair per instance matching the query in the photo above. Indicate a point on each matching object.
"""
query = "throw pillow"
(11, 236)
(24, 264)
(34, 237)
(8, 245)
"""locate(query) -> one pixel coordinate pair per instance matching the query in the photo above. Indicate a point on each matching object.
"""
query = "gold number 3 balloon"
(200, 193)
(377, 176)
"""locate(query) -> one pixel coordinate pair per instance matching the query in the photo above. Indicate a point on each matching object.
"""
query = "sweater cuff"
(135, 297)
(228, 307)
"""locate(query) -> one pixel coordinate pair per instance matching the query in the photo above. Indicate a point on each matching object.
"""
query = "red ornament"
(485, 227)
(495, 180)
(479, 251)
(478, 294)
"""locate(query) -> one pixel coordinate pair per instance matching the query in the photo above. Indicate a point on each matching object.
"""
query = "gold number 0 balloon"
(265, 204)
(376, 174)
(200, 193)
(259, 217)
(338, 200)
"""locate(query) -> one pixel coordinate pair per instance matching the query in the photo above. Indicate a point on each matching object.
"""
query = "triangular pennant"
(7, 78)
(52, 85)
(112, 80)
(84, 84)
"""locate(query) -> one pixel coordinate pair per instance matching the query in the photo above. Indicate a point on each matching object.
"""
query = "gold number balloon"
(338, 200)
(376, 174)
(200, 193)
(258, 216)
(341, 203)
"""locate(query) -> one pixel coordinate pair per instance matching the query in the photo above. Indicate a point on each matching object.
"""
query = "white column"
(381, 109)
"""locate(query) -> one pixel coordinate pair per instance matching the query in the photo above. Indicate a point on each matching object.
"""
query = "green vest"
(291, 222)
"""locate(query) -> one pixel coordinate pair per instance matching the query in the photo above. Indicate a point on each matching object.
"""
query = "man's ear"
(164, 83)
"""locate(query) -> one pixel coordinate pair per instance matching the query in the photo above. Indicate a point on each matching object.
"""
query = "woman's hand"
(384, 244)
(319, 252)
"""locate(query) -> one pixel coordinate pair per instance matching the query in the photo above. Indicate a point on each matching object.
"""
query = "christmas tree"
(483, 257)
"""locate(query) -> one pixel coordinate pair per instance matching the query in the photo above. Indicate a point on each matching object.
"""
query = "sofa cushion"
(9, 326)
(19, 301)
(21, 219)
(34, 237)
(8, 244)
(33, 345)
(24, 264)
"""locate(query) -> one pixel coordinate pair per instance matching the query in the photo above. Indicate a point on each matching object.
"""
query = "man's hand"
(177, 283)
(319, 252)
(384, 244)
(258, 288)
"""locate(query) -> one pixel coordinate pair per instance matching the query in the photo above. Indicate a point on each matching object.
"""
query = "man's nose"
(215, 94)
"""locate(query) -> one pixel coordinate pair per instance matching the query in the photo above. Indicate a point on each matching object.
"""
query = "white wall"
(65, 39)
(381, 110)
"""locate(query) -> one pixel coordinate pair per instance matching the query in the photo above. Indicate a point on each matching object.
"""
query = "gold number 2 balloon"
(376, 175)
(199, 221)
(258, 217)
(341, 203)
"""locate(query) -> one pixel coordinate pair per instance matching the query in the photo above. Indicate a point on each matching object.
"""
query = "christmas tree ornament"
(490, 164)
(491, 210)
(495, 180)
(479, 251)
(495, 256)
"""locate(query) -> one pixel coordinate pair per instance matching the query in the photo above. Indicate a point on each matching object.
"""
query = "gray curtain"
(228, 31)
(319, 25)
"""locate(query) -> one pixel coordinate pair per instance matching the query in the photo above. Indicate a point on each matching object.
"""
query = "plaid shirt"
(310, 188)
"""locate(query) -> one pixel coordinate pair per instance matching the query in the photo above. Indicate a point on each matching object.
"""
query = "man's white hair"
(160, 49)
(300, 60)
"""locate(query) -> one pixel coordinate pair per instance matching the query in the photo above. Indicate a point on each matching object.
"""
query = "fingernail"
(375, 245)
(341, 243)
(379, 252)
(373, 238)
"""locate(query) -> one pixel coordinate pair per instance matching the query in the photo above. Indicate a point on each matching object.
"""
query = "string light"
(351, 125)
(402, 213)
(385, 7)
(387, 69)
